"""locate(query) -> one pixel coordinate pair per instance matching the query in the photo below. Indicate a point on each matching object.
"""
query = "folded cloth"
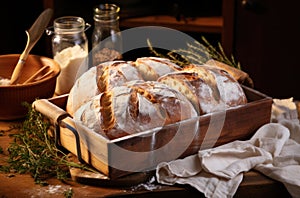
(217, 172)
(284, 109)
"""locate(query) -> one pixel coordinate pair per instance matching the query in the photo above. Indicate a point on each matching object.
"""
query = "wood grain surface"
(254, 184)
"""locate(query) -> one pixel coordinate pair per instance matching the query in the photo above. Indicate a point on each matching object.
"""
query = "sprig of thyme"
(197, 53)
(219, 54)
(174, 57)
(34, 151)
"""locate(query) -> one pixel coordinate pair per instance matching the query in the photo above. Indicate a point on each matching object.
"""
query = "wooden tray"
(143, 151)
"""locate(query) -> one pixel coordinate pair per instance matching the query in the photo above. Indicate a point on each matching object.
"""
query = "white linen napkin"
(217, 172)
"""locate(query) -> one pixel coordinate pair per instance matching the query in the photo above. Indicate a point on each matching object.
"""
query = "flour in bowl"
(4, 81)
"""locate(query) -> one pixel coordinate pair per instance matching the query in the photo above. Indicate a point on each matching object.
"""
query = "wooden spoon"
(37, 75)
(33, 35)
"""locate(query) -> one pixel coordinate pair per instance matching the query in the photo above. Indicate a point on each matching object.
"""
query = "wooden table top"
(254, 184)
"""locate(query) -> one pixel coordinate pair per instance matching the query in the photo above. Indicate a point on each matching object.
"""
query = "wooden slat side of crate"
(240, 123)
(66, 130)
(68, 141)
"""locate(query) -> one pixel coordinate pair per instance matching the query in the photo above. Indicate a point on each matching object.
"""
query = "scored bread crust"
(119, 98)
(151, 68)
(229, 90)
(209, 89)
(109, 74)
(134, 107)
(98, 79)
(196, 89)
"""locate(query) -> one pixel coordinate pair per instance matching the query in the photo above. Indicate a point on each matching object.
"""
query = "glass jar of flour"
(70, 50)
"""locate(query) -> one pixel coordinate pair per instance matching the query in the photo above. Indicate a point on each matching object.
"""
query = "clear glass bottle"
(106, 37)
(70, 50)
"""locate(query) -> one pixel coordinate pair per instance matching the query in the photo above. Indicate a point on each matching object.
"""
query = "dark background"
(266, 33)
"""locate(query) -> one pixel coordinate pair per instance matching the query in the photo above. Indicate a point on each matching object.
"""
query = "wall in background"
(267, 40)
(16, 17)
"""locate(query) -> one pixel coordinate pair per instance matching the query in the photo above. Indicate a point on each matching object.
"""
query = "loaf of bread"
(230, 91)
(119, 98)
(99, 79)
(210, 89)
(134, 107)
(202, 94)
(114, 73)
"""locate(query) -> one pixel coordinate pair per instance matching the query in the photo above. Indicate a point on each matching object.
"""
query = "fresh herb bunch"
(197, 53)
(34, 151)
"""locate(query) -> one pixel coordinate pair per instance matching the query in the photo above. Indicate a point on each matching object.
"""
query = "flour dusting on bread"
(120, 98)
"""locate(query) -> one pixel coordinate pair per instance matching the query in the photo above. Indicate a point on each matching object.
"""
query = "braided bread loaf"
(119, 98)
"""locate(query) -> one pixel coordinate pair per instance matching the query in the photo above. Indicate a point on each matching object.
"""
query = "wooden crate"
(143, 151)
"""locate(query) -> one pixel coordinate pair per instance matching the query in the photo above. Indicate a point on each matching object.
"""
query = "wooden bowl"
(13, 96)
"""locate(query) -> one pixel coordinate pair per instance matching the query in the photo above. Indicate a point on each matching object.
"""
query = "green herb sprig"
(34, 151)
(197, 53)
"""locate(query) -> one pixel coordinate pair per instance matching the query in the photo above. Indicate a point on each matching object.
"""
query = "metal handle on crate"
(77, 139)
(56, 116)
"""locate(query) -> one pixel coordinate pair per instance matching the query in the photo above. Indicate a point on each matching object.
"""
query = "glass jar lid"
(69, 24)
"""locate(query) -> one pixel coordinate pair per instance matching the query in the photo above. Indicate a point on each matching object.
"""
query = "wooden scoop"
(33, 35)
(39, 74)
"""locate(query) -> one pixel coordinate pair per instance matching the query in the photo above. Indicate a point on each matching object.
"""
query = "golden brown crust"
(106, 112)
(209, 89)
(195, 88)
(225, 86)
(151, 68)
(241, 76)
(135, 107)
(102, 78)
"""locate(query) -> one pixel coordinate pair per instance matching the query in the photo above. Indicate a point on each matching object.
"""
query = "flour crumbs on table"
(149, 185)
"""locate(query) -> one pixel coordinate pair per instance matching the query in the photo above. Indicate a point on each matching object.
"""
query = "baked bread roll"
(134, 107)
(209, 89)
(99, 79)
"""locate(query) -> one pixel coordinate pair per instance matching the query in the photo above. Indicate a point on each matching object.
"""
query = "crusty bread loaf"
(209, 89)
(99, 79)
(230, 91)
(202, 95)
(118, 98)
(134, 107)
(114, 73)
